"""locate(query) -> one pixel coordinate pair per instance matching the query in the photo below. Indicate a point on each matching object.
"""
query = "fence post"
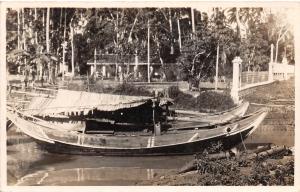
(271, 79)
(235, 79)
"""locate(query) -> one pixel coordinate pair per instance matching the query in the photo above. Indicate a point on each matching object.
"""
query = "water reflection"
(98, 176)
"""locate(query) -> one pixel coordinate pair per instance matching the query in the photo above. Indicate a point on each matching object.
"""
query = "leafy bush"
(173, 91)
(171, 72)
(210, 101)
(182, 100)
(127, 89)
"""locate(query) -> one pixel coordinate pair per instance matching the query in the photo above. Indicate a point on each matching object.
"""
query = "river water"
(29, 165)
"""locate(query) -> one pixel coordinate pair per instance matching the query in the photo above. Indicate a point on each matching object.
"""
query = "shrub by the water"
(210, 101)
(173, 92)
(181, 100)
(127, 89)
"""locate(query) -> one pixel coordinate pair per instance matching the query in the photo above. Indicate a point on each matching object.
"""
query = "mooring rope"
(243, 142)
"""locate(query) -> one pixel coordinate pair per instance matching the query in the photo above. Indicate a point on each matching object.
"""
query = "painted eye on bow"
(228, 129)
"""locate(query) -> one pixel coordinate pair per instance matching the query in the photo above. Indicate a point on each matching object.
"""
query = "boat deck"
(133, 140)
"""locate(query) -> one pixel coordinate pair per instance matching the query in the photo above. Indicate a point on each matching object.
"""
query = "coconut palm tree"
(243, 16)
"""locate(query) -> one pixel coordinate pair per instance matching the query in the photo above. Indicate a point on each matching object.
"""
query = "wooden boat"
(211, 118)
(54, 137)
(106, 111)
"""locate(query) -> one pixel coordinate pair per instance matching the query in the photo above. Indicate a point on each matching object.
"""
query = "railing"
(254, 78)
(283, 71)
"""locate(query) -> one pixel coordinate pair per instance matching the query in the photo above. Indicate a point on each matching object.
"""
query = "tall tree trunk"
(136, 61)
(47, 31)
(171, 31)
(72, 48)
(95, 64)
(217, 67)
(276, 51)
(238, 23)
(117, 45)
(18, 38)
(18, 32)
(131, 30)
(64, 46)
(48, 43)
(61, 17)
(23, 31)
(43, 18)
(280, 36)
(148, 52)
(35, 19)
(24, 43)
(179, 32)
(193, 20)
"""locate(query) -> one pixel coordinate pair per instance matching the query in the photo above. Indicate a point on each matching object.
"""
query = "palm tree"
(243, 16)
(234, 17)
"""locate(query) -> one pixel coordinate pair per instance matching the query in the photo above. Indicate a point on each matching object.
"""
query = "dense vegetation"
(191, 39)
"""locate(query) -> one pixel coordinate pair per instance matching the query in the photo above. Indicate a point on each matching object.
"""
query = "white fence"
(283, 71)
(244, 80)
(253, 77)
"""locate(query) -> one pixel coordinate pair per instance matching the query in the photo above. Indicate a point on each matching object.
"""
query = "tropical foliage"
(35, 37)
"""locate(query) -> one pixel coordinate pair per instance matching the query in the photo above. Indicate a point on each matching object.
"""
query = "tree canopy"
(247, 32)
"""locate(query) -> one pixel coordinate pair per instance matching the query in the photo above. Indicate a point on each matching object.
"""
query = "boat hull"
(174, 142)
(227, 143)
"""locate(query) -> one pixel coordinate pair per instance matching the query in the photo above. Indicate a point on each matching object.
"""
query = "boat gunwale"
(196, 113)
(258, 114)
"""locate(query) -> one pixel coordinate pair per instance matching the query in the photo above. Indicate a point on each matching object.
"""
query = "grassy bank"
(275, 93)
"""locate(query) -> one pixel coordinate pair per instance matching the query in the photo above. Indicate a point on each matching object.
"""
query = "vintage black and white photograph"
(150, 96)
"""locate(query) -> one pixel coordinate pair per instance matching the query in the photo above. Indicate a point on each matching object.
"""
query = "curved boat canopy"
(67, 101)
